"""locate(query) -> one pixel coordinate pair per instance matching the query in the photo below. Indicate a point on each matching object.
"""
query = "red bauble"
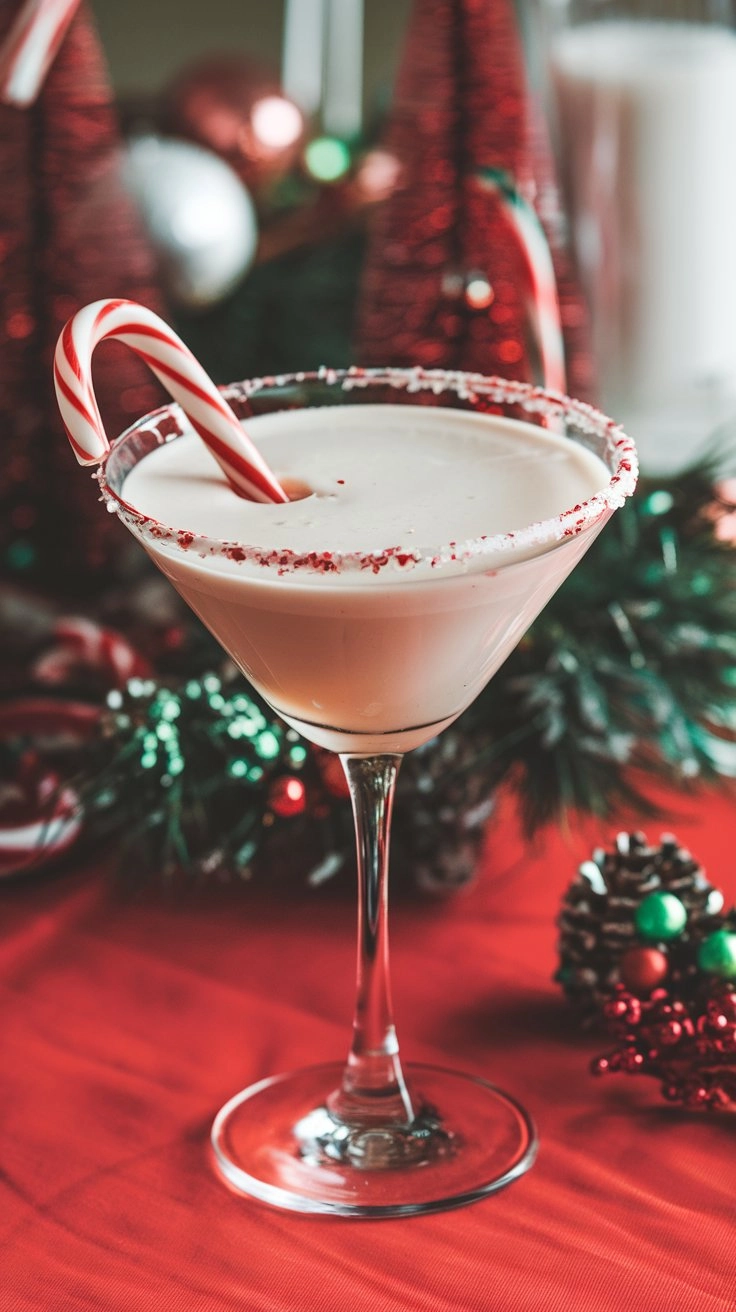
(642, 969)
(232, 106)
(287, 797)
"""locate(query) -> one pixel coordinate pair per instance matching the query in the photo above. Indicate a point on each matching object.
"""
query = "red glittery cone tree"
(68, 235)
(462, 107)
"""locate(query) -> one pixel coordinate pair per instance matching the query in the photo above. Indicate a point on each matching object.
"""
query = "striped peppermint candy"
(545, 306)
(182, 376)
(30, 47)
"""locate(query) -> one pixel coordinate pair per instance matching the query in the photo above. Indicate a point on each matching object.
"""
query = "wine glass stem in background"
(373, 1090)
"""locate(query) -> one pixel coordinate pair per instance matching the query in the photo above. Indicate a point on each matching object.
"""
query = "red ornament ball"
(287, 797)
(235, 108)
(642, 969)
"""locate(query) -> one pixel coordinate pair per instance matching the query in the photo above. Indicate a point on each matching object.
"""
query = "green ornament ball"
(660, 916)
(717, 954)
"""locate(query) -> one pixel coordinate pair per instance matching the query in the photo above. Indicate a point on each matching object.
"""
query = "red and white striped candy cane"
(545, 306)
(30, 47)
(80, 642)
(182, 376)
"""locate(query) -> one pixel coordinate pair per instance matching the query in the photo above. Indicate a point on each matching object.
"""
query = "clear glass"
(643, 100)
(372, 1137)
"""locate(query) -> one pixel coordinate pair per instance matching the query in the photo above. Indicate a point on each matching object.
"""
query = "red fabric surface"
(127, 1023)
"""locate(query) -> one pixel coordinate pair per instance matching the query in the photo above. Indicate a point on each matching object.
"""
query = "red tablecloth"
(125, 1025)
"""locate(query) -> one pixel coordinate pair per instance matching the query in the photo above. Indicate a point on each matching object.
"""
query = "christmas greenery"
(632, 664)
(189, 771)
(202, 778)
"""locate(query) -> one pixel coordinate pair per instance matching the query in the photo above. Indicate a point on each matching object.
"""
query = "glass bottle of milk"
(643, 102)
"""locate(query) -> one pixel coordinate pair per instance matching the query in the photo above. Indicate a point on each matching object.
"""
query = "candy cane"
(30, 47)
(182, 376)
(522, 217)
(81, 642)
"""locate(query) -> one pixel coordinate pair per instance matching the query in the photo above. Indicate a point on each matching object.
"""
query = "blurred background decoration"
(642, 100)
(254, 176)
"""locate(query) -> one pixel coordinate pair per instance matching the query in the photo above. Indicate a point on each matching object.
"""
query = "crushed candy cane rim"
(477, 392)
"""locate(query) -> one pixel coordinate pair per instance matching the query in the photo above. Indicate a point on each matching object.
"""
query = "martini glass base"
(278, 1142)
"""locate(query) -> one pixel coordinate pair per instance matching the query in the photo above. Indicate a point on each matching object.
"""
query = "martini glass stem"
(373, 1090)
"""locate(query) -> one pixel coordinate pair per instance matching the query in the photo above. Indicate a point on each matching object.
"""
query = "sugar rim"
(618, 452)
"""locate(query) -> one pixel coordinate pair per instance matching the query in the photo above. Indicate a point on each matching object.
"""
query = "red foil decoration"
(462, 104)
(68, 235)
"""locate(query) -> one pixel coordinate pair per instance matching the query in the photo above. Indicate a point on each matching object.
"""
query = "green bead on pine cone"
(717, 954)
(660, 916)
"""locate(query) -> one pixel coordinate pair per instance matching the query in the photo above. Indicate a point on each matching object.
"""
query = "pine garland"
(188, 770)
(632, 663)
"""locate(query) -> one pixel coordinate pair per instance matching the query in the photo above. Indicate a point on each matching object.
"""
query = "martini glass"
(372, 1137)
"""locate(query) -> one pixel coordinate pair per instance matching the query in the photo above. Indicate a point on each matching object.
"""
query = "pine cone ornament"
(635, 916)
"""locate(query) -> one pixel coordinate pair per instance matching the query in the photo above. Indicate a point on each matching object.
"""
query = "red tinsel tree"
(462, 105)
(68, 235)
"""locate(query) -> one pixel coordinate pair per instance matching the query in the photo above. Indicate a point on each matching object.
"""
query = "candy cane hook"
(182, 376)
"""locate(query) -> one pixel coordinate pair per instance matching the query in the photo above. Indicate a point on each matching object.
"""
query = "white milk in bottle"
(646, 116)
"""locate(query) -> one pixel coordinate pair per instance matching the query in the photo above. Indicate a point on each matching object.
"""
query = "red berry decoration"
(689, 1047)
(287, 796)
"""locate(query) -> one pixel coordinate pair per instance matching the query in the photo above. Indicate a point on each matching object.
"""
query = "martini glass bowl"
(371, 1137)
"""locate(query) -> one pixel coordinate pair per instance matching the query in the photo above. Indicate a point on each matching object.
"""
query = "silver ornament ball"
(198, 214)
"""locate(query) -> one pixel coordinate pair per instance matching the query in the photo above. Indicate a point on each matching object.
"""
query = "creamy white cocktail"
(404, 623)
(401, 528)
(433, 515)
